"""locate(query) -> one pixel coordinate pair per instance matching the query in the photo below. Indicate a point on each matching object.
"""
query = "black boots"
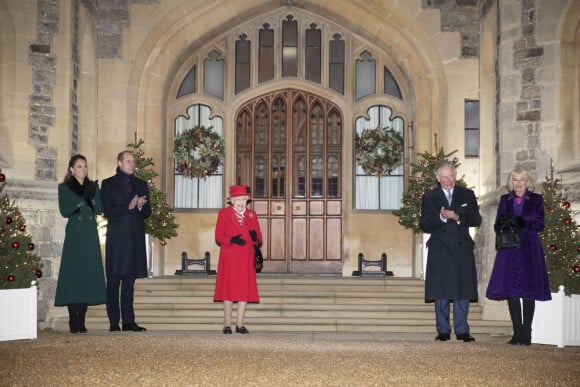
(516, 316)
(522, 329)
(529, 308)
(73, 318)
(76, 318)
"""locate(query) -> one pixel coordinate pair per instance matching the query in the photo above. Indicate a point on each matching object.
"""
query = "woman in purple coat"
(520, 273)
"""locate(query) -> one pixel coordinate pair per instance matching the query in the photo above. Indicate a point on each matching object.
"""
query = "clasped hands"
(448, 214)
(137, 201)
(238, 240)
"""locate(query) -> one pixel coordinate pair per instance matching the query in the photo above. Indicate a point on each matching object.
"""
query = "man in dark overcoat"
(447, 213)
(126, 206)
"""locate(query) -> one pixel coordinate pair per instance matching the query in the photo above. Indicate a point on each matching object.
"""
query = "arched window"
(213, 82)
(372, 192)
(195, 192)
(366, 75)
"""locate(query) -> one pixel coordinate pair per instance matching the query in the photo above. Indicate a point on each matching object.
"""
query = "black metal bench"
(204, 262)
(381, 263)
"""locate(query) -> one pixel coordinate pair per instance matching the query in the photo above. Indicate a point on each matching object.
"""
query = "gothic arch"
(394, 30)
(569, 95)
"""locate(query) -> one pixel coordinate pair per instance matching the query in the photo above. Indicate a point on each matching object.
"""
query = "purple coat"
(521, 272)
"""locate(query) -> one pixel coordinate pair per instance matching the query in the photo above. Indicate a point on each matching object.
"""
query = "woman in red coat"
(237, 231)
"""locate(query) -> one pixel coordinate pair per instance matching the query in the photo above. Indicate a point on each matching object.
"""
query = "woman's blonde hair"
(523, 172)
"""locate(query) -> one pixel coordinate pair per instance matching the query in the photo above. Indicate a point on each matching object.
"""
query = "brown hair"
(121, 155)
(73, 160)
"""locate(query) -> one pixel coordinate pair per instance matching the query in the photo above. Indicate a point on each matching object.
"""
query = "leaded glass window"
(373, 192)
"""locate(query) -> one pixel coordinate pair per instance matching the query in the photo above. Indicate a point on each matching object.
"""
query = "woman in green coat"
(81, 279)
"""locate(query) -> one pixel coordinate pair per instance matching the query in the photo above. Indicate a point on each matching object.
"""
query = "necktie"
(448, 194)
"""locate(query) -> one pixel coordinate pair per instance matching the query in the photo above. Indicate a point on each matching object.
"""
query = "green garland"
(198, 152)
(379, 151)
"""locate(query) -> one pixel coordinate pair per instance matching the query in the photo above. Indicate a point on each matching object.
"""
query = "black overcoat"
(125, 251)
(451, 270)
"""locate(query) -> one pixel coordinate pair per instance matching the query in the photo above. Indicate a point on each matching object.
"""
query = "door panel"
(289, 150)
(333, 239)
(316, 238)
(277, 239)
(298, 238)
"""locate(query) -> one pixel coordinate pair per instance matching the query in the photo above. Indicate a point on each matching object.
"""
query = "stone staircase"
(290, 303)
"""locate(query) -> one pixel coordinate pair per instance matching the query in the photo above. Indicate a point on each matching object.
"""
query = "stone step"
(290, 304)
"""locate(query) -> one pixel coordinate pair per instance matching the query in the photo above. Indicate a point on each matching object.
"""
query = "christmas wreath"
(198, 152)
(379, 151)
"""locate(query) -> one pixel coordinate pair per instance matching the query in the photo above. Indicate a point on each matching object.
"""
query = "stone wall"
(42, 111)
(461, 16)
(38, 203)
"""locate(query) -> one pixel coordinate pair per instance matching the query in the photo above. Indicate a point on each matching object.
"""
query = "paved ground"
(280, 359)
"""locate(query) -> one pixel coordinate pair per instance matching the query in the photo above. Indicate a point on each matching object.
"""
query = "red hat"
(239, 190)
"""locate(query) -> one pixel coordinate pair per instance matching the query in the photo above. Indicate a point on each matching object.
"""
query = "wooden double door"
(289, 147)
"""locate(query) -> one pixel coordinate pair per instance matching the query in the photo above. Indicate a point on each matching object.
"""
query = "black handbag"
(507, 238)
(259, 264)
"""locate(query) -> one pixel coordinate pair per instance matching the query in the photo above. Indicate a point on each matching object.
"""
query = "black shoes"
(515, 340)
(242, 330)
(443, 336)
(126, 327)
(466, 337)
(133, 327)
(446, 336)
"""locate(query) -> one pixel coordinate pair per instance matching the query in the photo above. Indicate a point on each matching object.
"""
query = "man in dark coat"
(126, 205)
(447, 212)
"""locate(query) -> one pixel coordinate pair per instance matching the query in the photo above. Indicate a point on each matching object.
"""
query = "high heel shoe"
(242, 330)
(227, 331)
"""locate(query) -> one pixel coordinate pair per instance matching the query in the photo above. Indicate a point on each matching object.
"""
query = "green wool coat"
(81, 278)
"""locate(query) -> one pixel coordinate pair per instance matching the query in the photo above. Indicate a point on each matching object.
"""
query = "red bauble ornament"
(8, 220)
(2, 177)
(578, 249)
(553, 247)
(576, 269)
(38, 273)
(31, 246)
(22, 228)
(15, 245)
(549, 209)
(11, 278)
(567, 220)
(566, 205)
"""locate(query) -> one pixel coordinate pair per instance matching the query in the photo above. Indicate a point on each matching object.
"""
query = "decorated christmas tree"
(421, 180)
(560, 239)
(19, 266)
(161, 224)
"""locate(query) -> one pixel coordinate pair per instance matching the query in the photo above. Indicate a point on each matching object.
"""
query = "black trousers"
(126, 284)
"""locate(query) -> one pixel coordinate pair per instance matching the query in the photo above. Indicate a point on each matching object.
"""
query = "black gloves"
(505, 220)
(89, 193)
(254, 235)
(515, 223)
(237, 240)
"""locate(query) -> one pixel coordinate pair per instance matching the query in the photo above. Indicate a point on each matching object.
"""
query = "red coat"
(236, 274)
